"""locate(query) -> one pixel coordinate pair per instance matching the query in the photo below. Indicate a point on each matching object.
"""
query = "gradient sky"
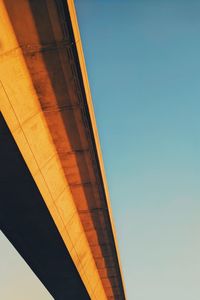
(144, 70)
(143, 61)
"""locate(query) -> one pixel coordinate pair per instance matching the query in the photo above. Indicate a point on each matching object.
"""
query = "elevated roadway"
(55, 205)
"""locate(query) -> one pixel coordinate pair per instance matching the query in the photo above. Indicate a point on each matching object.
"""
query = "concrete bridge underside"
(55, 207)
(26, 222)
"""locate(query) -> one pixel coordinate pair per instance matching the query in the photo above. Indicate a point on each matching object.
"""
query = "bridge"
(54, 203)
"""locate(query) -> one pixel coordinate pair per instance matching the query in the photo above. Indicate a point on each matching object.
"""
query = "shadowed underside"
(26, 222)
(46, 103)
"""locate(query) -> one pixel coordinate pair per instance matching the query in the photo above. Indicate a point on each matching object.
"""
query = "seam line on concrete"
(61, 108)
(37, 48)
(78, 151)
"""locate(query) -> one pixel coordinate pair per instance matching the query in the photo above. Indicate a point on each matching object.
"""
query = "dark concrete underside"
(26, 222)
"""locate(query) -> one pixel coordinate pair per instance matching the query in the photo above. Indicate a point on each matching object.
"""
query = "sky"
(17, 281)
(143, 64)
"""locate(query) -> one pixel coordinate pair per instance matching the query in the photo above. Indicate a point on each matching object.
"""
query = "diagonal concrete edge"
(21, 109)
(80, 52)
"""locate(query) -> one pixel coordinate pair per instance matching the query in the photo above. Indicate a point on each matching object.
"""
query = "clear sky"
(143, 62)
(17, 281)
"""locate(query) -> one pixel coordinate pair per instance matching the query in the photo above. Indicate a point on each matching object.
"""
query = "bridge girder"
(46, 102)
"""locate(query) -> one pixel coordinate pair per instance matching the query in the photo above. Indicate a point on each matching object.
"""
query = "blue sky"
(144, 70)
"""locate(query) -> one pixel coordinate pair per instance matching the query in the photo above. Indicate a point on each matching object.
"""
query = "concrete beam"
(27, 223)
(46, 102)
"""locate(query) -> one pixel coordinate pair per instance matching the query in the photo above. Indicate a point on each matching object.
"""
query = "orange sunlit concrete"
(46, 102)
